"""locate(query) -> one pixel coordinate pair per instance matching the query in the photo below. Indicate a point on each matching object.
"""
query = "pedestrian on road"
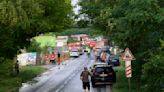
(58, 58)
(52, 57)
(85, 79)
(17, 67)
(88, 51)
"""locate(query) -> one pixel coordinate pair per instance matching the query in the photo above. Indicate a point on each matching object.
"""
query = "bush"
(6, 68)
(12, 83)
(153, 74)
(121, 84)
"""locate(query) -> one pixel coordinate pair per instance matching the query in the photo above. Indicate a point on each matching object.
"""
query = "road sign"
(127, 55)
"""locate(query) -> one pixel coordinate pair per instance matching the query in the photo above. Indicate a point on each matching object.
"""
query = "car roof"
(103, 66)
(100, 64)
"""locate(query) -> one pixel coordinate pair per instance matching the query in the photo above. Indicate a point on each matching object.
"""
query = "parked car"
(113, 60)
(103, 74)
(101, 52)
(74, 53)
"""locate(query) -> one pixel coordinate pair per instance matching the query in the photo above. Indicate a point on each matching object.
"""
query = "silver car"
(74, 53)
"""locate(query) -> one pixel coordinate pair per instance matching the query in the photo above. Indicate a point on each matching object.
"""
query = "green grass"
(12, 84)
(29, 72)
(9, 84)
(46, 40)
(121, 84)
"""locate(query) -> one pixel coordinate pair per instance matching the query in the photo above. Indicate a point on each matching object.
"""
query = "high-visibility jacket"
(52, 57)
(88, 50)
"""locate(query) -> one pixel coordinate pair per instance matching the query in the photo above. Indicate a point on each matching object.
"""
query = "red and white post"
(127, 56)
(128, 72)
(128, 69)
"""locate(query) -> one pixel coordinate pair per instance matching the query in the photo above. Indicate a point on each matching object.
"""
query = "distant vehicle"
(99, 55)
(102, 51)
(113, 60)
(74, 53)
(103, 74)
(97, 49)
(84, 49)
(106, 49)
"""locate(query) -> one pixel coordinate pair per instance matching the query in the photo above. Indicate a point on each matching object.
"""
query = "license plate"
(103, 75)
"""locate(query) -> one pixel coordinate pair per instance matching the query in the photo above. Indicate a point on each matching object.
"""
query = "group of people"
(53, 57)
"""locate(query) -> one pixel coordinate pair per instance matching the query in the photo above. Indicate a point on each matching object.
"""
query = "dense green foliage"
(121, 84)
(137, 24)
(34, 47)
(74, 31)
(20, 20)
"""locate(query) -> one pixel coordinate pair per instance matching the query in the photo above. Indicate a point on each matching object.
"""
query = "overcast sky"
(76, 8)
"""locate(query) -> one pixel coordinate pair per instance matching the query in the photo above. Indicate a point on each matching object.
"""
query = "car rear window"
(100, 70)
(74, 50)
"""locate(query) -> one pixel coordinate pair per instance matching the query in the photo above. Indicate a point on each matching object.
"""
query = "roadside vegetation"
(138, 25)
(20, 20)
(121, 84)
(12, 81)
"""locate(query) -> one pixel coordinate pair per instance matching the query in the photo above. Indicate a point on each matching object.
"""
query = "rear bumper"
(74, 55)
(100, 81)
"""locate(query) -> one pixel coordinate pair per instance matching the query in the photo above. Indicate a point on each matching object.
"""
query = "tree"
(131, 23)
(153, 70)
(20, 20)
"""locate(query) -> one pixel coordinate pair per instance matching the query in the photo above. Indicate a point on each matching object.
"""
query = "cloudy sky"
(76, 7)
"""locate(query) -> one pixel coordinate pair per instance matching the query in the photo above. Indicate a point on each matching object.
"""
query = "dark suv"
(103, 74)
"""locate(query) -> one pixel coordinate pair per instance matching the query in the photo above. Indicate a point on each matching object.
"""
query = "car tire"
(92, 81)
(93, 85)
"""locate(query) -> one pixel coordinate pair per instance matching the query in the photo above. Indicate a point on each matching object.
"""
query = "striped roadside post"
(127, 56)
(128, 69)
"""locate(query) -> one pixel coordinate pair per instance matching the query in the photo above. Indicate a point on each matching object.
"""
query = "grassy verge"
(121, 84)
(29, 72)
(12, 84)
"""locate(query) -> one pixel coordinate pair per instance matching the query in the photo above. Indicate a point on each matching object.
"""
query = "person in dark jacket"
(58, 58)
(85, 79)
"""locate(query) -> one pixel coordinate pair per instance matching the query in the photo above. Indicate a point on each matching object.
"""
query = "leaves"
(137, 24)
(20, 20)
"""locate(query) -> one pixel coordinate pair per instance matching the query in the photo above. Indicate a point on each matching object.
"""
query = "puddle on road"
(29, 83)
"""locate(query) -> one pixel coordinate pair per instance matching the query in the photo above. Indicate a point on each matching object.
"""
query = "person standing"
(52, 57)
(17, 67)
(58, 58)
(84, 76)
(88, 51)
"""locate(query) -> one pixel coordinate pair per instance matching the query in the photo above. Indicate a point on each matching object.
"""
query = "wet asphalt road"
(64, 78)
(75, 84)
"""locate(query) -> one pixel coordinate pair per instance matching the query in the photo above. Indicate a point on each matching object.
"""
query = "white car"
(74, 53)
